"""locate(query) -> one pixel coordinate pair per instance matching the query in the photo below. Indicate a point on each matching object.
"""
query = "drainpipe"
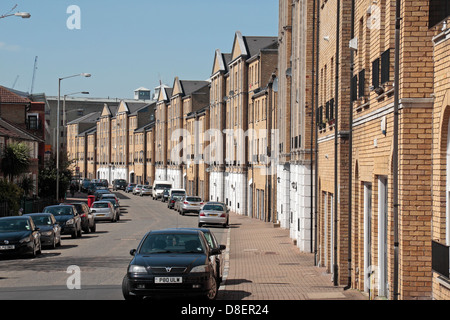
(395, 151)
(313, 112)
(336, 144)
(350, 154)
(316, 150)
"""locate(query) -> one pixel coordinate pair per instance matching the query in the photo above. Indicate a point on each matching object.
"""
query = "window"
(353, 88)
(361, 83)
(385, 66)
(376, 73)
(438, 11)
(33, 122)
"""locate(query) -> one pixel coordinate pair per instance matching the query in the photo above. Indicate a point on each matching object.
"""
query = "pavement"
(262, 263)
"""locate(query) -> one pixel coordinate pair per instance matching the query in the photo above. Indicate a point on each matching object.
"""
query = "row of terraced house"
(309, 130)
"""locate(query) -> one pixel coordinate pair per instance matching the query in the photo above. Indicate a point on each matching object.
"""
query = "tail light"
(201, 203)
(202, 214)
(223, 215)
(173, 201)
(186, 202)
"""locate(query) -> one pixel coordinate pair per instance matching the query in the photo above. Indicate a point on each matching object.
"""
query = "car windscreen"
(100, 205)
(213, 207)
(193, 199)
(172, 243)
(59, 211)
(13, 225)
(42, 220)
(163, 186)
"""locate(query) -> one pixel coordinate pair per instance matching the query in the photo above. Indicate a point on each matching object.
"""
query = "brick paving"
(264, 264)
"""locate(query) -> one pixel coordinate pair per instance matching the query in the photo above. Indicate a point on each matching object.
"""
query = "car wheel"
(79, 233)
(74, 234)
(94, 227)
(212, 293)
(200, 225)
(126, 290)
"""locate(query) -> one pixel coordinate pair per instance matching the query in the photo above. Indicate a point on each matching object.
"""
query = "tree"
(15, 160)
(47, 177)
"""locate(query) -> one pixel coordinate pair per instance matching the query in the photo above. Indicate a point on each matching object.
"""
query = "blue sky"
(123, 44)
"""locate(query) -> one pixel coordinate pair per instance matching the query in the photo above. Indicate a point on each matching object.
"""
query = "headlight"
(25, 240)
(200, 269)
(70, 221)
(137, 269)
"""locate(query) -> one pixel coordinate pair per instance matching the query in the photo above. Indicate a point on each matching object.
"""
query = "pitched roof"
(8, 96)
(9, 130)
(88, 118)
(190, 86)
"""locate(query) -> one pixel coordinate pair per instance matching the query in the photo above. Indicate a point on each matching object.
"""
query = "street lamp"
(58, 133)
(23, 15)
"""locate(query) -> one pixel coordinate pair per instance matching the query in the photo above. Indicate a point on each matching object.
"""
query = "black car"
(85, 185)
(94, 186)
(172, 262)
(119, 184)
(87, 219)
(213, 244)
(172, 200)
(67, 217)
(48, 227)
(19, 235)
(165, 195)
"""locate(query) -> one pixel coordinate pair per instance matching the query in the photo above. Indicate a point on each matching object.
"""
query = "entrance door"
(382, 236)
(367, 235)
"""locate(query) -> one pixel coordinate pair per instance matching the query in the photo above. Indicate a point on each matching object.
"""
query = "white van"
(158, 188)
(177, 192)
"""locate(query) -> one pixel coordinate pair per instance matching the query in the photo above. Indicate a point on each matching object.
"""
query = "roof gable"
(123, 107)
(106, 112)
(177, 87)
(239, 48)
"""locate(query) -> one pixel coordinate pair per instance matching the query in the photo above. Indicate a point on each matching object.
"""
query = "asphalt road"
(91, 267)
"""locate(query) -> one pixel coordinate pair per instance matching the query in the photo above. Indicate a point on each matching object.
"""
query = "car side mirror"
(132, 252)
(215, 251)
(222, 247)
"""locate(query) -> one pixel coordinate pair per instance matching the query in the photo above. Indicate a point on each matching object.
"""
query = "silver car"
(145, 190)
(137, 189)
(214, 213)
(190, 204)
(104, 210)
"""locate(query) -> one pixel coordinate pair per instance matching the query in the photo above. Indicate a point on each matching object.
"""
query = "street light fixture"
(58, 133)
(23, 15)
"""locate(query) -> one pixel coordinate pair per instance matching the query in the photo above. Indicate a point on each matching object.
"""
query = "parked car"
(214, 244)
(48, 227)
(169, 262)
(115, 205)
(87, 219)
(104, 182)
(85, 185)
(130, 187)
(137, 189)
(19, 236)
(98, 194)
(94, 186)
(173, 200)
(190, 205)
(166, 195)
(110, 195)
(119, 184)
(145, 190)
(67, 217)
(104, 210)
(214, 213)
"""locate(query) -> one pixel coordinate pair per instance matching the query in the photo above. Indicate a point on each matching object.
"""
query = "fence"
(28, 206)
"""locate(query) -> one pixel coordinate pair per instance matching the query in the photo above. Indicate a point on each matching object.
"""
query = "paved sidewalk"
(264, 264)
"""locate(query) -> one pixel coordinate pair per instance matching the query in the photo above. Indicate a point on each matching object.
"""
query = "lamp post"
(58, 133)
(23, 15)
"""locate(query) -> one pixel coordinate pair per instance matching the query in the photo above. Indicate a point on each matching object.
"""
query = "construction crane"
(15, 81)
(34, 74)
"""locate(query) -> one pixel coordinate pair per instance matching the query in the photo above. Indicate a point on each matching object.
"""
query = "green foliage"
(16, 160)
(47, 178)
(10, 193)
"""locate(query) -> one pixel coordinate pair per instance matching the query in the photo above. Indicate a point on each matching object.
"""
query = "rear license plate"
(9, 247)
(168, 279)
(213, 215)
(100, 215)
